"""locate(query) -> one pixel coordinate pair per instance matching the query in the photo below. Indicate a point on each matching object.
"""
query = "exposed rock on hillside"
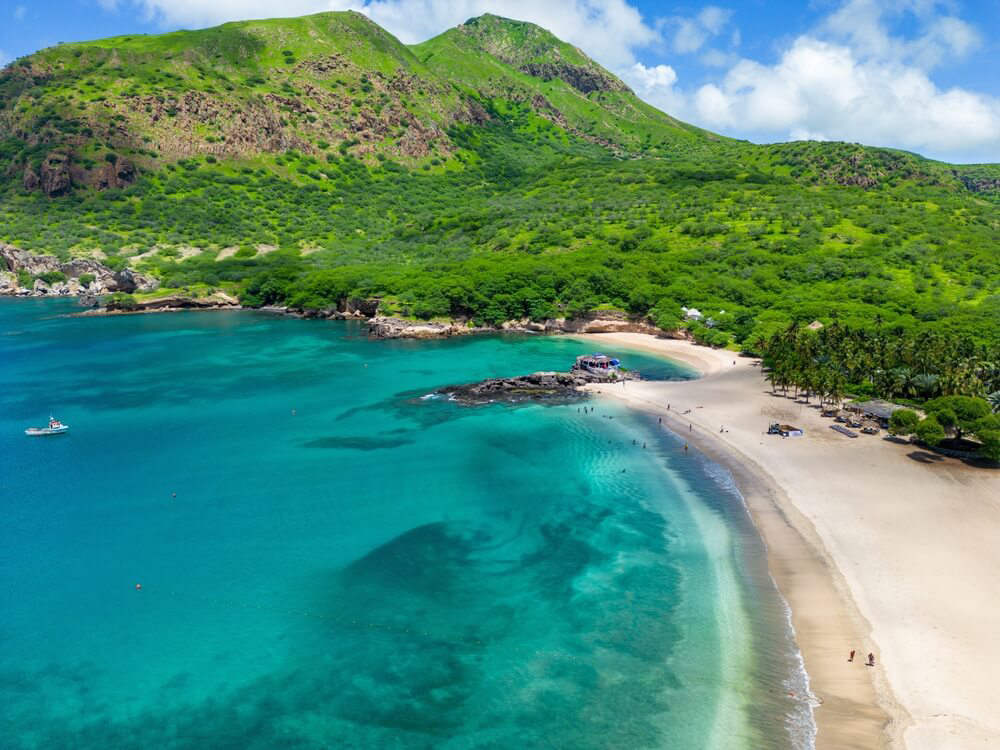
(398, 328)
(583, 79)
(599, 321)
(981, 184)
(14, 261)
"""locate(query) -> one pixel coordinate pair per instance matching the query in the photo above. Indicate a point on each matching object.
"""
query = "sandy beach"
(876, 544)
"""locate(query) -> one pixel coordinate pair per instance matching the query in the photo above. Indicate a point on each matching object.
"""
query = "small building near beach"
(691, 313)
(598, 364)
(878, 410)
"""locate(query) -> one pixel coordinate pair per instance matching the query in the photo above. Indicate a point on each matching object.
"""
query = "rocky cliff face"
(15, 262)
(981, 184)
(584, 79)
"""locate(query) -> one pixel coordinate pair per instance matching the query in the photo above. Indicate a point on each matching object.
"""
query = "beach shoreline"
(828, 510)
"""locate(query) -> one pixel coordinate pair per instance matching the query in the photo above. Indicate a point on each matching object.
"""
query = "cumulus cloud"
(825, 91)
(648, 78)
(655, 85)
(862, 25)
(691, 34)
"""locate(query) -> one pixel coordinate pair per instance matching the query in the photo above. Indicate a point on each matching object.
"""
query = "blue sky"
(914, 74)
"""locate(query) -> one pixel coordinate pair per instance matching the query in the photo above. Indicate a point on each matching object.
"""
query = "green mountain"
(491, 173)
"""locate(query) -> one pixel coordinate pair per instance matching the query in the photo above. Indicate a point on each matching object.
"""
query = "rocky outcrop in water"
(534, 387)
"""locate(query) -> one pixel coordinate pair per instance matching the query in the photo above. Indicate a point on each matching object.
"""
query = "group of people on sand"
(869, 663)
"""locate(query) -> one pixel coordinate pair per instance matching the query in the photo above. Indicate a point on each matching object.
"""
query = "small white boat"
(55, 428)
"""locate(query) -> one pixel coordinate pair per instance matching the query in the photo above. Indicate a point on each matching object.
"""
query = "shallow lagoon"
(378, 569)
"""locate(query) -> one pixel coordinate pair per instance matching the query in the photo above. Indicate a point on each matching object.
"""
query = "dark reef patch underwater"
(373, 570)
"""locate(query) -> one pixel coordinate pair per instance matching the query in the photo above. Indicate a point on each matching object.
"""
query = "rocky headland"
(169, 303)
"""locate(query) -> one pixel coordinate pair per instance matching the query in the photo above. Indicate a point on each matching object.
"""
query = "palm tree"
(994, 399)
(926, 384)
(900, 381)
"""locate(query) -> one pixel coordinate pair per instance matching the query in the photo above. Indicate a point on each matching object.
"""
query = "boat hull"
(43, 431)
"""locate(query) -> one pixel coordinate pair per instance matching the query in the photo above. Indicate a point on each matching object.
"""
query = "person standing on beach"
(851, 657)
(871, 660)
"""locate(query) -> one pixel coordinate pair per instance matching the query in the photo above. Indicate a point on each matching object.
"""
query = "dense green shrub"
(51, 277)
(903, 422)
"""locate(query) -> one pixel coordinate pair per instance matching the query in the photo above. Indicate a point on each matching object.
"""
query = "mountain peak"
(537, 52)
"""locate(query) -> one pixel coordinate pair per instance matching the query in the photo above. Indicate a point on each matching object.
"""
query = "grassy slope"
(235, 90)
(487, 56)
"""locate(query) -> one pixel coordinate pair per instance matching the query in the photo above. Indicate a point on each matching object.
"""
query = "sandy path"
(877, 546)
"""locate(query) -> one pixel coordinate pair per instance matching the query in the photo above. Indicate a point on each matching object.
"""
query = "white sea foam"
(801, 721)
(722, 477)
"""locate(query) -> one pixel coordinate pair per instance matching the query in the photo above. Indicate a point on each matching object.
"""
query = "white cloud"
(655, 85)
(3, 58)
(691, 34)
(658, 75)
(19, 11)
(862, 26)
(825, 91)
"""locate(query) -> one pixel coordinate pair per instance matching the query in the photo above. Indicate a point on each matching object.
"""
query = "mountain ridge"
(96, 114)
(492, 173)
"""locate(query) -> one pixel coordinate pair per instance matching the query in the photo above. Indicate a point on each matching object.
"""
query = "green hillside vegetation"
(491, 173)
(501, 60)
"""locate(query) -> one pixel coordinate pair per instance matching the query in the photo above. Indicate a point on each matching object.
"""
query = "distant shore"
(877, 546)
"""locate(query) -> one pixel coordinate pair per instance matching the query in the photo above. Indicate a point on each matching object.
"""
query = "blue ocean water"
(350, 563)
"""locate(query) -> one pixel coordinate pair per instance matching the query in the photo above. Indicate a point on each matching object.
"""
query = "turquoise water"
(379, 569)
